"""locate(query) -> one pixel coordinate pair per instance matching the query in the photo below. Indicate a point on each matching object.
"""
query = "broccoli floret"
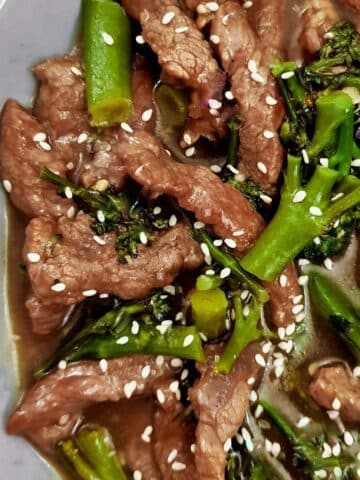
(250, 190)
(308, 207)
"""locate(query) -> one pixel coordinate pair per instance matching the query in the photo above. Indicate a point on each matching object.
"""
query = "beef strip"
(213, 202)
(68, 392)
(142, 86)
(174, 434)
(61, 106)
(70, 255)
(336, 381)
(21, 160)
(220, 403)
(46, 438)
(317, 19)
(354, 4)
(260, 154)
(45, 316)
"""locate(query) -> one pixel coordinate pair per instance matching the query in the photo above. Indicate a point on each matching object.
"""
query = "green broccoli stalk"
(307, 456)
(121, 213)
(91, 455)
(306, 211)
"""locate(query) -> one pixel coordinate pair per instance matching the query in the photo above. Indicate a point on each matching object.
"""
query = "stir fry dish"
(185, 294)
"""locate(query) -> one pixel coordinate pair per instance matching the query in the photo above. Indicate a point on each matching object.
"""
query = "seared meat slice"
(61, 106)
(21, 160)
(317, 19)
(195, 187)
(354, 4)
(142, 86)
(45, 438)
(68, 392)
(247, 62)
(45, 317)
(70, 255)
(135, 7)
(173, 436)
(336, 382)
(220, 403)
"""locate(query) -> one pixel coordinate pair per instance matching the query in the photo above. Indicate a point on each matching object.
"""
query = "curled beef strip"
(213, 202)
(337, 382)
(45, 317)
(247, 63)
(173, 436)
(354, 4)
(220, 403)
(61, 106)
(69, 254)
(21, 160)
(68, 392)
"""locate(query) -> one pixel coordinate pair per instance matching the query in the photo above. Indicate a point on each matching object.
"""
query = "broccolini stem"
(233, 145)
(70, 453)
(172, 103)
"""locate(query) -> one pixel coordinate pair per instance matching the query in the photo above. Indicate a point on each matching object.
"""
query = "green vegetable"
(295, 224)
(209, 309)
(172, 103)
(260, 470)
(208, 282)
(91, 455)
(112, 336)
(107, 55)
(307, 456)
(227, 260)
(245, 332)
(234, 125)
(250, 190)
(334, 305)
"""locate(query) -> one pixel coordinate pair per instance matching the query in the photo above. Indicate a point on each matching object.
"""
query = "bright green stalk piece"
(172, 103)
(208, 310)
(76, 463)
(107, 55)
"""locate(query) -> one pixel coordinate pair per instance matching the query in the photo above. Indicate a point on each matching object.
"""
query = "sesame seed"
(39, 137)
(238, 233)
(327, 452)
(122, 340)
(252, 66)
(215, 168)
(225, 272)
(356, 371)
(271, 100)
(188, 340)
(45, 146)
(62, 365)
(178, 466)
(297, 309)
(145, 436)
(146, 115)
(108, 39)
(246, 311)
(336, 404)
(160, 360)
(184, 374)
(174, 386)
(317, 240)
(99, 240)
(143, 238)
(253, 396)
(266, 198)
(218, 242)
(324, 162)
(329, 35)
(303, 422)
(348, 439)
(100, 216)
(205, 249)
(89, 293)
(215, 39)
(315, 211)
(230, 242)
(229, 95)
(104, 295)
(172, 455)
(250, 381)
(258, 411)
(262, 167)
(212, 6)
(71, 212)
(260, 360)
(210, 273)
(145, 371)
(281, 333)
(247, 438)
(160, 396)
(176, 362)
(82, 138)
(266, 347)
(7, 185)
(303, 262)
(336, 450)
(76, 71)
(215, 104)
(214, 112)
(199, 225)
(287, 75)
(126, 127)
(337, 196)
(157, 211)
(137, 475)
(268, 134)
(356, 163)
(192, 448)
(135, 327)
(58, 287)
(290, 329)
(33, 257)
(227, 445)
(68, 192)
(103, 364)
(279, 370)
(139, 39)
(299, 196)
(232, 169)
(244, 294)
(181, 29)
(170, 289)
(189, 152)
(248, 4)
(321, 473)
(258, 78)
(167, 18)
(275, 449)
(129, 388)
(187, 139)
(283, 280)
(101, 185)
(297, 299)
(305, 156)
(328, 264)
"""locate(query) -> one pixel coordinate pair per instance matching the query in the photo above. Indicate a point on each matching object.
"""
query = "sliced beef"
(46, 438)
(68, 392)
(316, 20)
(246, 61)
(195, 187)
(45, 316)
(61, 106)
(336, 382)
(21, 160)
(135, 7)
(173, 436)
(354, 4)
(142, 86)
(220, 403)
(69, 254)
